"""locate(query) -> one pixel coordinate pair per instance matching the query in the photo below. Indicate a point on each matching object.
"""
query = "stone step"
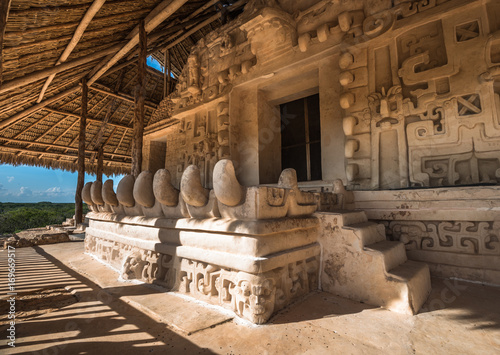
(352, 217)
(417, 278)
(367, 232)
(393, 253)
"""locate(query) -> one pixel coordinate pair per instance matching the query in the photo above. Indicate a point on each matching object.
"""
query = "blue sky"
(32, 184)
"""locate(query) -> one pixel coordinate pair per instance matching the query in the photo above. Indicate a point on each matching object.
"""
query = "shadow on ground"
(97, 323)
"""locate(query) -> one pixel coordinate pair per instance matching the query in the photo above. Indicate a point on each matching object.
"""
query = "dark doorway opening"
(301, 137)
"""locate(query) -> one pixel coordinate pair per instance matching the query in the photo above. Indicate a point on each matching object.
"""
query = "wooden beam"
(89, 15)
(4, 15)
(208, 21)
(166, 60)
(44, 73)
(81, 156)
(19, 116)
(140, 92)
(160, 13)
(122, 96)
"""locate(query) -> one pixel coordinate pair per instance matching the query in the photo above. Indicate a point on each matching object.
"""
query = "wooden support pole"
(4, 14)
(139, 103)
(81, 157)
(100, 163)
(165, 74)
(169, 71)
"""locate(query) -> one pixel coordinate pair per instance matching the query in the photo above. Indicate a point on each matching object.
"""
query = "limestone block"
(108, 194)
(96, 193)
(259, 203)
(226, 186)
(125, 191)
(178, 211)
(209, 210)
(163, 190)
(86, 195)
(359, 263)
(192, 190)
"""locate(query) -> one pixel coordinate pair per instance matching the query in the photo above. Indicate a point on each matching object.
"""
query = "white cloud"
(10, 178)
(25, 191)
(54, 190)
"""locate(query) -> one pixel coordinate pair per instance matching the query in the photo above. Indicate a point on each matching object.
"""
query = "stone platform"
(113, 316)
(252, 250)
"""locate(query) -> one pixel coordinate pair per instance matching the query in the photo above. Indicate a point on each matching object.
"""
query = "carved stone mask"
(255, 296)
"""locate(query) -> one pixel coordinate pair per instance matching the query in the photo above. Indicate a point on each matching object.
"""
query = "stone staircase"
(360, 264)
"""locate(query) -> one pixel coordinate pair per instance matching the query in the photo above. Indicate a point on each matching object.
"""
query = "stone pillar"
(332, 134)
(243, 113)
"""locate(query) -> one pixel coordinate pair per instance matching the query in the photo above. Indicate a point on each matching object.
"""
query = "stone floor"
(115, 317)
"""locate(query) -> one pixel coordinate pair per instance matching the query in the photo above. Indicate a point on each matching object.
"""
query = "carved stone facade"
(417, 85)
(252, 296)
(409, 97)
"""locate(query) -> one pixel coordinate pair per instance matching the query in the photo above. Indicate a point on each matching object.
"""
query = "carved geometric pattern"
(469, 105)
(467, 31)
(464, 237)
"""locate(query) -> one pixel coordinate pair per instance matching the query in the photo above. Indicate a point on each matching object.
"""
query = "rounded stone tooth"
(86, 196)
(108, 194)
(96, 193)
(192, 190)
(227, 188)
(143, 189)
(125, 191)
(163, 190)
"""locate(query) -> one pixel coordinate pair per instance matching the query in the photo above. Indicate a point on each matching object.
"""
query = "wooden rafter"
(89, 15)
(164, 10)
(122, 96)
(42, 74)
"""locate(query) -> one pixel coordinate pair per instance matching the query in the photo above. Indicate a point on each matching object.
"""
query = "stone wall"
(455, 231)
(409, 92)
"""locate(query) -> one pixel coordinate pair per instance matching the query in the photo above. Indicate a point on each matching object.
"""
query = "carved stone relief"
(254, 297)
(476, 238)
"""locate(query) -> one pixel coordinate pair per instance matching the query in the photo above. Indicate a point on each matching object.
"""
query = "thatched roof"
(36, 36)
